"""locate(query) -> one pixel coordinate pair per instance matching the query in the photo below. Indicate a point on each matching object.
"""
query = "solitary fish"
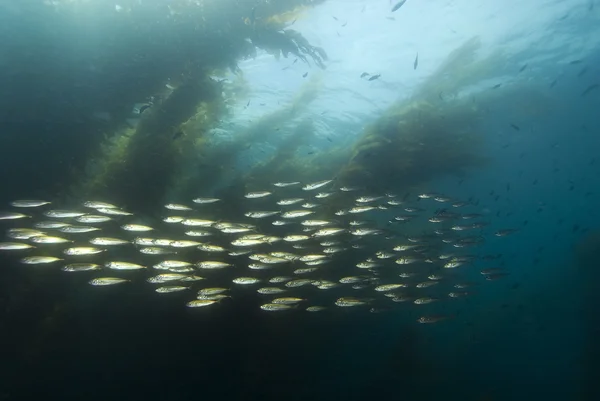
(398, 5)
(416, 63)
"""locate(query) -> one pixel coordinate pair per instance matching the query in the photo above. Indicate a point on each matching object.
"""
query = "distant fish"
(305, 75)
(515, 127)
(374, 77)
(574, 62)
(523, 68)
(496, 86)
(589, 89)
(416, 63)
(364, 74)
(398, 5)
(583, 71)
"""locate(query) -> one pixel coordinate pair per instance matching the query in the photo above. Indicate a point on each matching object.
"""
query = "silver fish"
(29, 203)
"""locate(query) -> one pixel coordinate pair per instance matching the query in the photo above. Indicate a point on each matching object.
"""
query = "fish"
(99, 205)
(204, 201)
(432, 319)
(171, 288)
(29, 203)
(316, 185)
(23, 233)
(123, 266)
(104, 281)
(374, 77)
(364, 74)
(246, 280)
(45, 239)
(136, 227)
(36, 260)
(82, 250)
(416, 63)
(14, 246)
(81, 267)
(589, 89)
(350, 302)
(211, 265)
(197, 222)
(178, 207)
(256, 195)
(113, 211)
(292, 201)
(50, 224)
(91, 218)
(398, 5)
(199, 303)
(77, 229)
(276, 307)
(12, 216)
(294, 214)
(286, 184)
(61, 214)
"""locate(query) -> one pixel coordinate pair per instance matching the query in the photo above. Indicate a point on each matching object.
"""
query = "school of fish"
(293, 246)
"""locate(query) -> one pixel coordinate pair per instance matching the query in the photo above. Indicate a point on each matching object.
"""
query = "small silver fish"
(82, 250)
(77, 229)
(14, 246)
(81, 267)
(107, 241)
(286, 184)
(102, 281)
(124, 266)
(315, 185)
(255, 195)
(91, 218)
(29, 203)
(205, 200)
(61, 214)
(171, 288)
(12, 216)
(178, 207)
(136, 227)
(36, 260)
